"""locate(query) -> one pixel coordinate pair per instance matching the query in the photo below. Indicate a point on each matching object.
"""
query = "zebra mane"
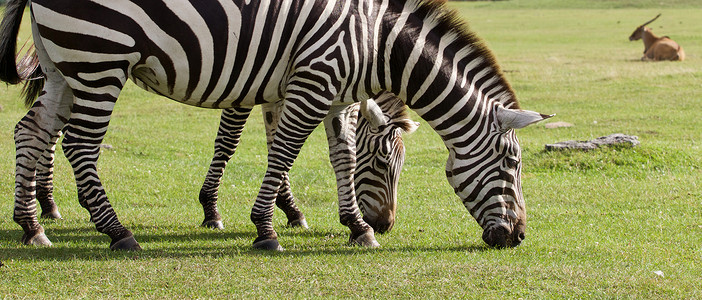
(449, 22)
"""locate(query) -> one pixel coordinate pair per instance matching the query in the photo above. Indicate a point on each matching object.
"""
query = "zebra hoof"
(126, 244)
(213, 224)
(38, 239)
(299, 223)
(269, 244)
(54, 215)
(365, 240)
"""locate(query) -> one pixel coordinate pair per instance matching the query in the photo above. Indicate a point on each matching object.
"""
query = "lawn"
(610, 223)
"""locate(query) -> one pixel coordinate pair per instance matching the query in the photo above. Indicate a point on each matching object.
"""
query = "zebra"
(318, 57)
(376, 175)
(379, 161)
(382, 157)
(379, 169)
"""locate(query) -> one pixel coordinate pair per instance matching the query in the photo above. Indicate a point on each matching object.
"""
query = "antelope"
(657, 48)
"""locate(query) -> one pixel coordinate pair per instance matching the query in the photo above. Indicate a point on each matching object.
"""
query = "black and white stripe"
(380, 156)
(317, 56)
(379, 160)
(377, 193)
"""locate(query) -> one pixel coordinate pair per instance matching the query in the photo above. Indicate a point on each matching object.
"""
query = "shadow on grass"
(87, 244)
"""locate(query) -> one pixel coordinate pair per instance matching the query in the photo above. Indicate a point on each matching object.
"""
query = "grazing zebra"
(376, 178)
(377, 172)
(317, 56)
(381, 154)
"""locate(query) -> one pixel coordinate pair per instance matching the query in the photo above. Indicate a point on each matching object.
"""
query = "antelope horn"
(649, 22)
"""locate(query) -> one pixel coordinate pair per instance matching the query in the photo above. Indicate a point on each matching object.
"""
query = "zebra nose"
(502, 237)
(519, 236)
(495, 236)
(380, 225)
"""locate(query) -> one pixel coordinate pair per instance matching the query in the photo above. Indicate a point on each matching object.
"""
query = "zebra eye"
(380, 164)
(381, 157)
(511, 162)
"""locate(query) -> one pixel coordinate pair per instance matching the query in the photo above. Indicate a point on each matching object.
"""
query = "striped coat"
(317, 56)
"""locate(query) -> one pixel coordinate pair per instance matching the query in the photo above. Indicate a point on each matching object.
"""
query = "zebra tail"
(31, 74)
(28, 70)
(8, 40)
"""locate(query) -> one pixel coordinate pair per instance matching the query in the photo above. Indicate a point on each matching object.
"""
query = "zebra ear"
(516, 119)
(372, 112)
(410, 126)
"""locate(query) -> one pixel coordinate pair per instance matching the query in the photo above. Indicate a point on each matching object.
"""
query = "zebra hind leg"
(231, 125)
(45, 182)
(286, 202)
(81, 144)
(33, 135)
(82, 148)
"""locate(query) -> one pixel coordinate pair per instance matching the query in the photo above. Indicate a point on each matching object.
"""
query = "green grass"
(600, 222)
(579, 4)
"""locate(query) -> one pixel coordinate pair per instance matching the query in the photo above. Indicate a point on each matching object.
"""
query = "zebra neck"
(438, 67)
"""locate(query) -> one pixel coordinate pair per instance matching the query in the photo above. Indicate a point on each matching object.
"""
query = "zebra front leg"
(303, 110)
(45, 181)
(33, 135)
(285, 199)
(340, 127)
(231, 125)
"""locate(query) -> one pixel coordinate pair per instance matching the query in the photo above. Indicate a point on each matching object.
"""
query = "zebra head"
(380, 156)
(486, 175)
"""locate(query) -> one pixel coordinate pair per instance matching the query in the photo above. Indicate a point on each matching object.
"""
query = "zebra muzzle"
(500, 236)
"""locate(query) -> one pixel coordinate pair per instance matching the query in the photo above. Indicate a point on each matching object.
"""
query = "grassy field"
(600, 223)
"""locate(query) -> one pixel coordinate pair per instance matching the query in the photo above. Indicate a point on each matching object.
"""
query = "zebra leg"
(340, 127)
(303, 111)
(45, 181)
(231, 125)
(81, 145)
(33, 134)
(90, 117)
(285, 200)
